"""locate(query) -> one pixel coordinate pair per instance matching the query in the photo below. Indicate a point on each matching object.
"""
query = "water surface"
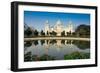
(45, 50)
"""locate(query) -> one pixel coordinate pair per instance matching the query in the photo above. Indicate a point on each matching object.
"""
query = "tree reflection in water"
(53, 42)
(35, 42)
(82, 45)
(63, 42)
(27, 44)
(42, 42)
(79, 44)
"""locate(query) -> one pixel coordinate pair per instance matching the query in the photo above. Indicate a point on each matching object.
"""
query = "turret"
(71, 27)
(46, 27)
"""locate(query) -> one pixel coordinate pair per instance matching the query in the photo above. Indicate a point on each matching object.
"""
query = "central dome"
(58, 22)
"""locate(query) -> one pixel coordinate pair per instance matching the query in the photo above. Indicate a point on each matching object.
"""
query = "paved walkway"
(58, 38)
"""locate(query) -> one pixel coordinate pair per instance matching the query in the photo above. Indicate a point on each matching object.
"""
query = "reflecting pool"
(46, 50)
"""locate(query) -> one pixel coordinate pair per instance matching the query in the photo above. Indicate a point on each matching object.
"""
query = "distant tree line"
(81, 31)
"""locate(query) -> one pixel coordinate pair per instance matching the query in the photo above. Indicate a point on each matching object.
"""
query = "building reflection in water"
(57, 43)
(53, 49)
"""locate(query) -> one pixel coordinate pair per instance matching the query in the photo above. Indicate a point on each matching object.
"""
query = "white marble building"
(58, 27)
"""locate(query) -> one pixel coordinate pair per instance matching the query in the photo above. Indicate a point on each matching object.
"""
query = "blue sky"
(38, 19)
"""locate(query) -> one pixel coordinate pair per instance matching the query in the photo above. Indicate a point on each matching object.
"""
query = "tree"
(36, 33)
(73, 34)
(83, 31)
(42, 33)
(54, 33)
(68, 33)
(47, 33)
(50, 33)
(63, 33)
(28, 32)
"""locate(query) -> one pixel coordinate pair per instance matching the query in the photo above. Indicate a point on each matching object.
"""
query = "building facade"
(59, 27)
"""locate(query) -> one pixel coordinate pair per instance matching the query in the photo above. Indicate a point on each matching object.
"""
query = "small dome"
(47, 23)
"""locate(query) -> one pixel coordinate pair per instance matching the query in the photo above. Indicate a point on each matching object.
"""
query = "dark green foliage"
(36, 33)
(28, 32)
(69, 42)
(63, 41)
(83, 31)
(35, 42)
(53, 33)
(77, 55)
(46, 57)
(53, 41)
(82, 44)
(68, 34)
(47, 33)
(42, 33)
(42, 42)
(35, 58)
(28, 44)
(27, 57)
(63, 33)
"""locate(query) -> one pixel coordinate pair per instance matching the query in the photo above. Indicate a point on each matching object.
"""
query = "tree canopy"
(83, 30)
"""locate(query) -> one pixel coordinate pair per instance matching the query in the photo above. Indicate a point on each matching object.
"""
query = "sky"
(38, 19)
